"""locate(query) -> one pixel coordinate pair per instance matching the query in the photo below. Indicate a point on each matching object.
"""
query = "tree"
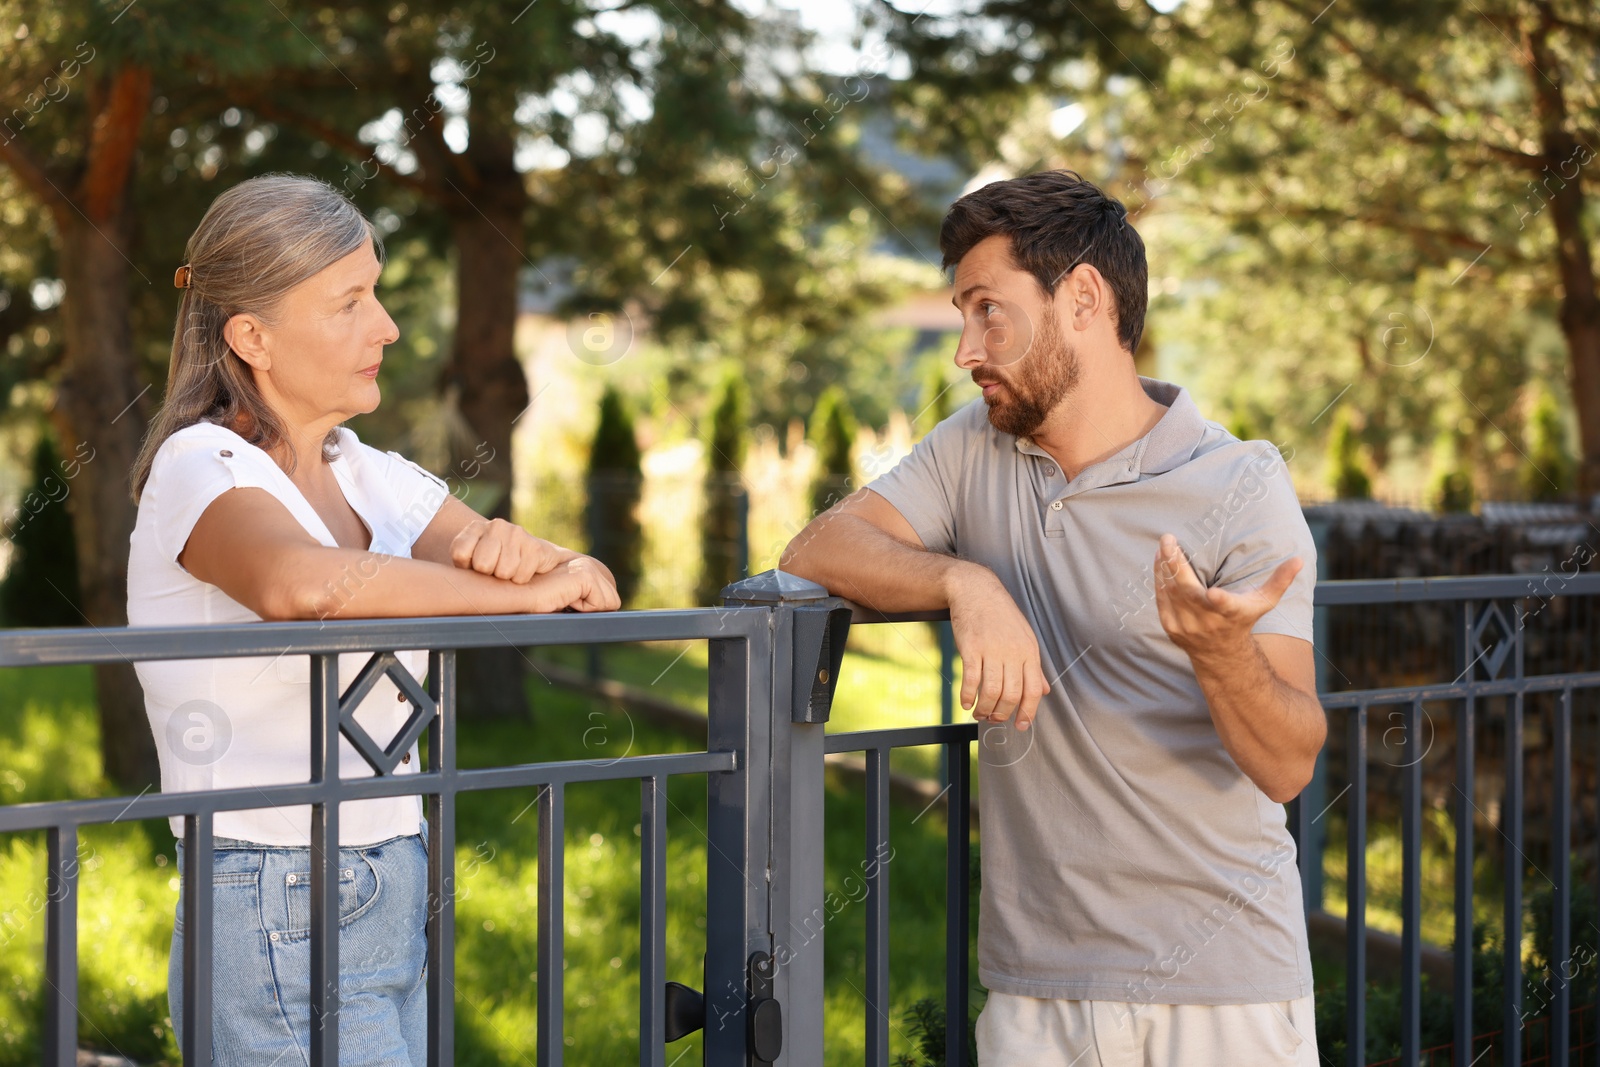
(1418, 173)
(833, 435)
(648, 170)
(41, 582)
(723, 528)
(1346, 474)
(84, 93)
(1451, 489)
(615, 485)
(936, 403)
(1547, 471)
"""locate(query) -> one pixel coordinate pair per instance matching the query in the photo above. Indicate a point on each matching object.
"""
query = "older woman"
(256, 503)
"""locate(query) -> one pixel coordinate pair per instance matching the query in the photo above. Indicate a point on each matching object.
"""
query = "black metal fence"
(775, 651)
(1489, 620)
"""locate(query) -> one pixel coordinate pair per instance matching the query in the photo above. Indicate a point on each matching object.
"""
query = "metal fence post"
(738, 804)
(803, 657)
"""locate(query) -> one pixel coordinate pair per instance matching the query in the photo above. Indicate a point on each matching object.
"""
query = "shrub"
(615, 484)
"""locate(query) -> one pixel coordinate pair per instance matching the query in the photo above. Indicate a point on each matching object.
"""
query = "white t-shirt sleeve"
(418, 492)
(189, 473)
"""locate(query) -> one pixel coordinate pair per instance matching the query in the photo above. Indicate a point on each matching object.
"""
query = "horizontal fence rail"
(775, 651)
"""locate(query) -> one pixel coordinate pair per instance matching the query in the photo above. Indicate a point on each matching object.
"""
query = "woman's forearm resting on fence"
(248, 545)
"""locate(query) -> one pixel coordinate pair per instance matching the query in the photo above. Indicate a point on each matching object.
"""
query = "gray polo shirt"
(1126, 857)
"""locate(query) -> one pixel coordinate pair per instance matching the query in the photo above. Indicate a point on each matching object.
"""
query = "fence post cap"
(773, 587)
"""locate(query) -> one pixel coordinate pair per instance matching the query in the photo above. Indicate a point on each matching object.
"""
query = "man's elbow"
(1293, 779)
(1285, 791)
(799, 557)
(794, 561)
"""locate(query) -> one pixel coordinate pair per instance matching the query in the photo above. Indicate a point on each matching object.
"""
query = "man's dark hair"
(1056, 220)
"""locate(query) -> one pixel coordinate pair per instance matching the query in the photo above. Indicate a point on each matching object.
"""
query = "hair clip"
(183, 276)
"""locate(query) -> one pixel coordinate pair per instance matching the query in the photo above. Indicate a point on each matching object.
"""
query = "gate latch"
(766, 1014)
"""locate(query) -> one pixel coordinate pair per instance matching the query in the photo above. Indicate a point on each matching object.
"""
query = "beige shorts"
(1029, 1032)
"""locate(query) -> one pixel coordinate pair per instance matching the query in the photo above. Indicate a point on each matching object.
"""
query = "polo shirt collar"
(1174, 438)
(1169, 443)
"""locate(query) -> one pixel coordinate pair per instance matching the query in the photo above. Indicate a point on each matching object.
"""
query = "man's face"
(1011, 342)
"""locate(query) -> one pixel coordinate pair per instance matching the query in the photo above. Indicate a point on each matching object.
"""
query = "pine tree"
(41, 582)
(833, 435)
(935, 403)
(616, 483)
(1549, 470)
(723, 531)
(1451, 489)
(1347, 475)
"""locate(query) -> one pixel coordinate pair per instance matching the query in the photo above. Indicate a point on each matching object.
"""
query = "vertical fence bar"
(1465, 809)
(741, 546)
(552, 954)
(876, 871)
(61, 945)
(325, 861)
(1307, 855)
(1511, 829)
(653, 921)
(442, 861)
(197, 939)
(1561, 874)
(740, 680)
(1356, 894)
(958, 859)
(1411, 889)
(947, 689)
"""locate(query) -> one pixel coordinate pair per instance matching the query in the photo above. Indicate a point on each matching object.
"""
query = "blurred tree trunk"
(486, 207)
(97, 416)
(1580, 307)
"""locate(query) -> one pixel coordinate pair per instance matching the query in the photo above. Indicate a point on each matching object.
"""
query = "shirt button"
(226, 452)
(1049, 472)
(406, 758)
(1055, 505)
(400, 696)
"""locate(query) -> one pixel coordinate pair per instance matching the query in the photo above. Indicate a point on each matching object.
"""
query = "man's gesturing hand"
(507, 551)
(1000, 670)
(1205, 621)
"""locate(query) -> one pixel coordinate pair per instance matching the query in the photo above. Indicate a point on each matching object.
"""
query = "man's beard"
(1038, 381)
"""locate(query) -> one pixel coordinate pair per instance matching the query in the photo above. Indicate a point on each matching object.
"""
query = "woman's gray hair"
(257, 241)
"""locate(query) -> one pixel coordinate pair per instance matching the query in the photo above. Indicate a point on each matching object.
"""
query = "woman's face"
(325, 344)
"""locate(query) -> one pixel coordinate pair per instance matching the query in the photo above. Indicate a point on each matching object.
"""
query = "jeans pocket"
(228, 868)
(359, 886)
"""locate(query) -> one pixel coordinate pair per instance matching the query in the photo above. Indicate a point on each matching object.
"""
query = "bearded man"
(1130, 589)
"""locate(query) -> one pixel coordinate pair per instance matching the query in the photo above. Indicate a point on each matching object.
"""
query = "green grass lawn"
(890, 678)
(49, 750)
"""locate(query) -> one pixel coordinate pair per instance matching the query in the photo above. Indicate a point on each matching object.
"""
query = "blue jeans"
(261, 954)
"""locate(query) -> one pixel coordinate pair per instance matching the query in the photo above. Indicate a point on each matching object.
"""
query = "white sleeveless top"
(238, 722)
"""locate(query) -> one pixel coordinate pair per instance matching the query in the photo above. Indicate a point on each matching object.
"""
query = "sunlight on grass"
(1385, 857)
(128, 883)
(890, 678)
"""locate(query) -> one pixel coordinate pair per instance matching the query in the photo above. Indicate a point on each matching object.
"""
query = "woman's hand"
(580, 583)
(507, 551)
